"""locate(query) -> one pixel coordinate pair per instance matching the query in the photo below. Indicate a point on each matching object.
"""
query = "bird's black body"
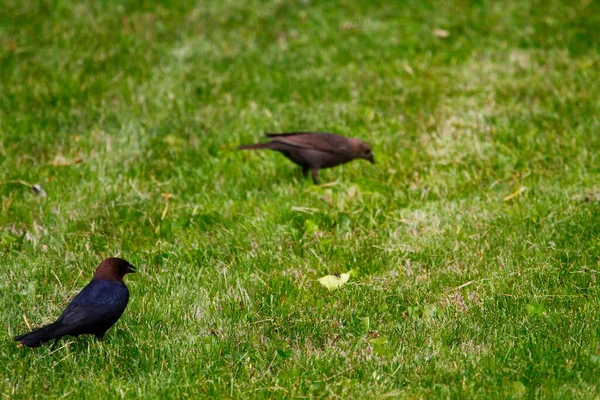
(93, 311)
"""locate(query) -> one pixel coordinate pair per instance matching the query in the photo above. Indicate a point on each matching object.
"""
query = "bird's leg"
(315, 175)
(305, 171)
(99, 336)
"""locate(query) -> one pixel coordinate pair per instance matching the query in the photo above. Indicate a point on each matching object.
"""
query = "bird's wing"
(325, 142)
(95, 302)
(84, 315)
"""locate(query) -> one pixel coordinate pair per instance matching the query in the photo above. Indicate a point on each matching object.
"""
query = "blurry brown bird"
(93, 311)
(315, 150)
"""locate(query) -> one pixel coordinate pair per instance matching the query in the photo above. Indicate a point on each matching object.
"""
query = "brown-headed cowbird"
(93, 311)
(315, 150)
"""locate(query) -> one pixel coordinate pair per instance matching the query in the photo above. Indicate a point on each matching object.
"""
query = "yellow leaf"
(442, 33)
(333, 282)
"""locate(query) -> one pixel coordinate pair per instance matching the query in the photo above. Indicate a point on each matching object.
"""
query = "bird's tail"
(266, 145)
(39, 336)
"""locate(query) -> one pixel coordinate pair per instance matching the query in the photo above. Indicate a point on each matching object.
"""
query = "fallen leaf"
(333, 282)
(442, 33)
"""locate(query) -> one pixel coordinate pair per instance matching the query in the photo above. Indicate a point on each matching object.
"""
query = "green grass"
(475, 238)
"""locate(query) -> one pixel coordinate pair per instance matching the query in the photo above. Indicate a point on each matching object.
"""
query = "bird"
(315, 150)
(93, 311)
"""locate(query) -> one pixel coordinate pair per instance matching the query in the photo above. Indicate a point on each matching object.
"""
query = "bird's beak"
(131, 269)
(371, 159)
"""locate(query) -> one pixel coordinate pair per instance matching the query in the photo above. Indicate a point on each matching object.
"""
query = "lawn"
(473, 243)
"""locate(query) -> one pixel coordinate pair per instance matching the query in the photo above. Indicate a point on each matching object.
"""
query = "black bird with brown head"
(93, 311)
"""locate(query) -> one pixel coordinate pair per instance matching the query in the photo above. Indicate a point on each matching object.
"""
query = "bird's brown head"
(362, 150)
(113, 269)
